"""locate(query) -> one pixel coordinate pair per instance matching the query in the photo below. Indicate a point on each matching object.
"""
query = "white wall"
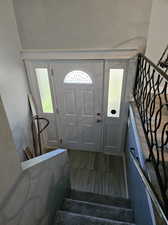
(38, 192)
(80, 24)
(13, 84)
(10, 167)
(158, 30)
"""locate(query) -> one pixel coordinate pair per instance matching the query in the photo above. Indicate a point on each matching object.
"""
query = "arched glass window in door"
(77, 77)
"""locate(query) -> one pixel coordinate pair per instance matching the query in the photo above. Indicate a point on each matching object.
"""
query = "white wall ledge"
(39, 159)
(122, 53)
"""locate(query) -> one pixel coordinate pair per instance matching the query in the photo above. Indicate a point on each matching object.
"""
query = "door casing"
(54, 134)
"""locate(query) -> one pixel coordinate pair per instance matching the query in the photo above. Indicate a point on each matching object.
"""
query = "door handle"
(99, 118)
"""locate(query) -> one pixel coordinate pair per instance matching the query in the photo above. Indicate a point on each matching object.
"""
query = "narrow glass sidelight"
(44, 89)
(114, 92)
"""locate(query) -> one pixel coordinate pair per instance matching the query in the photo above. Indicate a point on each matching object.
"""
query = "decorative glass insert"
(114, 92)
(77, 77)
(44, 88)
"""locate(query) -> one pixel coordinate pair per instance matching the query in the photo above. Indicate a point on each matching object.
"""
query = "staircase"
(84, 208)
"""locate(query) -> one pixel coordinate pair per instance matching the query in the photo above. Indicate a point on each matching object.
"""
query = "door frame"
(47, 59)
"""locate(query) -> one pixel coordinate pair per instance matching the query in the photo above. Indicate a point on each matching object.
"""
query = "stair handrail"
(149, 187)
(151, 98)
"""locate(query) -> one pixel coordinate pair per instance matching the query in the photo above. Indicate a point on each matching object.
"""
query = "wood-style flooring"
(98, 173)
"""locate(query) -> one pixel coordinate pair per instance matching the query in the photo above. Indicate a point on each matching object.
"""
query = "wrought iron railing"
(151, 97)
(163, 61)
(37, 130)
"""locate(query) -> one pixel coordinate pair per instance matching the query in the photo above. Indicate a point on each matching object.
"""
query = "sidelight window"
(44, 89)
(114, 92)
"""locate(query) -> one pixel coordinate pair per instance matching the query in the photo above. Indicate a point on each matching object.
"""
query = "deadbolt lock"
(113, 111)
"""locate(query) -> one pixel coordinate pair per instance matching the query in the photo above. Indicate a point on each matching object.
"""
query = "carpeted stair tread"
(102, 199)
(98, 210)
(69, 218)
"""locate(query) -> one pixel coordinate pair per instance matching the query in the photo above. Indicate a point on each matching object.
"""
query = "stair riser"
(102, 199)
(113, 213)
(64, 218)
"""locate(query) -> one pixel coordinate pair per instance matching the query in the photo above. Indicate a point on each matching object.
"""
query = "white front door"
(78, 90)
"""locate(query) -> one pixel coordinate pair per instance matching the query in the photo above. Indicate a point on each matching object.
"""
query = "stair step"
(102, 199)
(98, 210)
(69, 218)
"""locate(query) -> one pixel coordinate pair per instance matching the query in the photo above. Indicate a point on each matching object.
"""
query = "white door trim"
(47, 54)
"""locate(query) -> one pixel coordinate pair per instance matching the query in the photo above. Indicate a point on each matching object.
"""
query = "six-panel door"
(78, 87)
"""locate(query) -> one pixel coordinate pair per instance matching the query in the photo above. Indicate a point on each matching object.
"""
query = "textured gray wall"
(37, 193)
(158, 32)
(13, 84)
(10, 167)
(141, 202)
(76, 24)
